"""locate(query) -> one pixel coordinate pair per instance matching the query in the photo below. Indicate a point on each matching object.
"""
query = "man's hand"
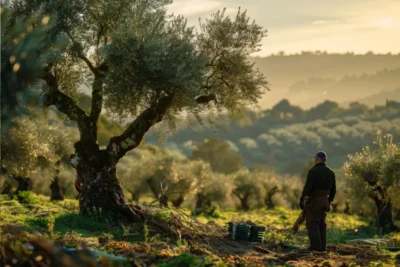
(306, 201)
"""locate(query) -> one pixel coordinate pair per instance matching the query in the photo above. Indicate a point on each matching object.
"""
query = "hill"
(283, 71)
(285, 136)
(380, 98)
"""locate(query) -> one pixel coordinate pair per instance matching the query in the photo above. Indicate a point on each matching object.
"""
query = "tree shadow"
(96, 226)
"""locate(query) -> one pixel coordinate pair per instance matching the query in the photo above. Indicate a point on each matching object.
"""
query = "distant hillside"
(285, 136)
(380, 98)
(345, 89)
(284, 71)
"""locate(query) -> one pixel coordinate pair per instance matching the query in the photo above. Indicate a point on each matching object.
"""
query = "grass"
(39, 213)
(341, 227)
(61, 221)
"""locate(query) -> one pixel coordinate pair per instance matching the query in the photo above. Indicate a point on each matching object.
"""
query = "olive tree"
(218, 154)
(247, 186)
(145, 66)
(210, 187)
(137, 167)
(376, 170)
(30, 145)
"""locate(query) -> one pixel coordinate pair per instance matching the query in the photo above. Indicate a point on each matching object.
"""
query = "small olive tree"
(376, 171)
(31, 145)
(247, 186)
(141, 64)
(218, 154)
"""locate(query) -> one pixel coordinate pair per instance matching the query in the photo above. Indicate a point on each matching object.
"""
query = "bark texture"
(384, 218)
(57, 191)
(202, 203)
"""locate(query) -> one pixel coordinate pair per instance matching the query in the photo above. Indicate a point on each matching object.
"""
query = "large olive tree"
(144, 66)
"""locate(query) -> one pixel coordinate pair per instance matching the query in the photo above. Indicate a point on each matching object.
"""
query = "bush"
(26, 197)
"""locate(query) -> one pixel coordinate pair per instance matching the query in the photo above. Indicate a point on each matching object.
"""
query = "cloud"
(194, 7)
(388, 23)
(319, 22)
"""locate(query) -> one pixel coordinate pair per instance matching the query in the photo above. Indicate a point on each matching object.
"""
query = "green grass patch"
(188, 260)
(26, 197)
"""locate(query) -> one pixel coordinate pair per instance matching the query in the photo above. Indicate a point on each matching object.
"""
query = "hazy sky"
(297, 25)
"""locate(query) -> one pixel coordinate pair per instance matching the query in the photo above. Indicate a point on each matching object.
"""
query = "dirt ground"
(19, 248)
(274, 253)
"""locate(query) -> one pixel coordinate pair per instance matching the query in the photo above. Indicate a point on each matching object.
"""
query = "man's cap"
(321, 154)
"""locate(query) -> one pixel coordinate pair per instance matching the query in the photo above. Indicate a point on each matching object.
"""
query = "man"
(320, 189)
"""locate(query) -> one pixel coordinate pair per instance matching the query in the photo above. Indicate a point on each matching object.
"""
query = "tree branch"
(204, 99)
(97, 97)
(82, 56)
(65, 104)
(237, 194)
(133, 135)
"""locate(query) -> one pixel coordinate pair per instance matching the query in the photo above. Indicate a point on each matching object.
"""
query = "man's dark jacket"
(319, 178)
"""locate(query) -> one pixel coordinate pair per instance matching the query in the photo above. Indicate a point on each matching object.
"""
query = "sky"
(293, 26)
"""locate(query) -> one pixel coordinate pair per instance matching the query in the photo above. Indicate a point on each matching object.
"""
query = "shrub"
(26, 197)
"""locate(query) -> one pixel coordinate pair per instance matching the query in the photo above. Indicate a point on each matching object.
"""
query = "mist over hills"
(344, 77)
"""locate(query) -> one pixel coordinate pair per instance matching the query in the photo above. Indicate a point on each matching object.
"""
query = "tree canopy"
(145, 64)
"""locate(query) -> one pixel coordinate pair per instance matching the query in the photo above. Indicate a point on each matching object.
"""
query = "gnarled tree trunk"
(202, 203)
(347, 208)
(57, 192)
(268, 199)
(244, 200)
(24, 184)
(156, 187)
(101, 188)
(384, 218)
(178, 202)
(100, 185)
(244, 203)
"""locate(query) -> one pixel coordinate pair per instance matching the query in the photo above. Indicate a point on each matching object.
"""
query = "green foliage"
(212, 211)
(92, 224)
(145, 54)
(26, 44)
(246, 185)
(163, 215)
(376, 164)
(26, 197)
(218, 154)
(38, 223)
(30, 142)
(287, 144)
